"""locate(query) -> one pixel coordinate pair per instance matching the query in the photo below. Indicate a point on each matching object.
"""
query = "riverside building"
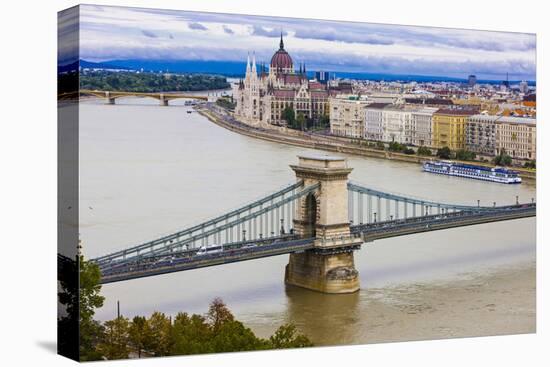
(481, 134)
(516, 136)
(493, 135)
(422, 126)
(449, 128)
(374, 121)
(347, 116)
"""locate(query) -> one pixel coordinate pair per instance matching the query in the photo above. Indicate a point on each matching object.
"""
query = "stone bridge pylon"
(329, 267)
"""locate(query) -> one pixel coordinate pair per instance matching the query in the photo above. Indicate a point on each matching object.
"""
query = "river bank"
(321, 142)
(498, 302)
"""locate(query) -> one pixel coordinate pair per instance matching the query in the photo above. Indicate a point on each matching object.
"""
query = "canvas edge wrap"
(67, 187)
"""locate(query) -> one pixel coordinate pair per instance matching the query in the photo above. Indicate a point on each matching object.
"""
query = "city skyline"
(150, 34)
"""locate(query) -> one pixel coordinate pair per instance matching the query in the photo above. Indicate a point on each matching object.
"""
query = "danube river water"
(148, 170)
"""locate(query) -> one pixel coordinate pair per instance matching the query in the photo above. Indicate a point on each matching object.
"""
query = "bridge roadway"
(290, 243)
(164, 97)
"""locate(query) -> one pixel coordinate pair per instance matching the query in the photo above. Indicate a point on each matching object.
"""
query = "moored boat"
(495, 174)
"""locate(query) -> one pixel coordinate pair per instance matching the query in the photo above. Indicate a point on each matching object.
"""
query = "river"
(147, 170)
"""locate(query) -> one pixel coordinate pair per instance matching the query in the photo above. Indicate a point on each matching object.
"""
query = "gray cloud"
(261, 31)
(330, 34)
(463, 39)
(197, 26)
(149, 34)
(227, 30)
(343, 62)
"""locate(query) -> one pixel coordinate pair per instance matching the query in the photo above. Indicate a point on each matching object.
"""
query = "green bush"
(465, 155)
(444, 153)
(530, 164)
(424, 151)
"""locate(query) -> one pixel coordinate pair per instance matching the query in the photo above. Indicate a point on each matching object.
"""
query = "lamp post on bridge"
(374, 217)
(282, 226)
(244, 234)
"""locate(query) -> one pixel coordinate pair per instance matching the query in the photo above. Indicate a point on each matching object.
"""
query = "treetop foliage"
(150, 82)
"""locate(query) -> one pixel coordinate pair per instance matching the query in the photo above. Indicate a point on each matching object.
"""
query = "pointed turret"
(254, 63)
(248, 63)
(281, 44)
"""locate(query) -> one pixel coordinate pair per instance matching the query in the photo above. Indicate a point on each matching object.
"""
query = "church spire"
(281, 44)
(248, 63)
(254, 63)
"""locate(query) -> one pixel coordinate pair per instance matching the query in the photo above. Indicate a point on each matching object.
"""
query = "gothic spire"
(281, 44)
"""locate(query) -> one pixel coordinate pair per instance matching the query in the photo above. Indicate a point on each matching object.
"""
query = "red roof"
(316, 85)
(284, 93)
(319, 94)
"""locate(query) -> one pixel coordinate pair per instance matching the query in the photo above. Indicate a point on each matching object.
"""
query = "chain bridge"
(320, 220)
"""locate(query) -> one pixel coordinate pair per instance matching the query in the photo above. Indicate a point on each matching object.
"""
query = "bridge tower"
(323, 214)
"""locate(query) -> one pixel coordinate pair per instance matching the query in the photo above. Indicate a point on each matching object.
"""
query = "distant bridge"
(163, 98)
(320, 220)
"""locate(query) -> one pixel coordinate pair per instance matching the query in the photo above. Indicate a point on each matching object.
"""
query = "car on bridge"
(207, 250)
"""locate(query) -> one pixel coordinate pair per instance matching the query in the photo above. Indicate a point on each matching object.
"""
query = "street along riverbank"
(317, 141)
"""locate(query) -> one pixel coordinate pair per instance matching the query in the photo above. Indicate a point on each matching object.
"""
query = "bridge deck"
(395, 228)
(140, 270)
(254, 249)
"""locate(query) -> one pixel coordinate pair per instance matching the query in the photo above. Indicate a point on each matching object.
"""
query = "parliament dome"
(281, 60)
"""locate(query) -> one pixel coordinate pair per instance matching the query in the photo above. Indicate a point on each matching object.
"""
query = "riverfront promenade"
(317, 141)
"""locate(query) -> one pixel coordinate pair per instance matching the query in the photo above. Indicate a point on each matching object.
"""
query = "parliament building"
(263, 94)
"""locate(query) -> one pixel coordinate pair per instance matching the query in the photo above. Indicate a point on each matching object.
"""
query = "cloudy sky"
(114, 33)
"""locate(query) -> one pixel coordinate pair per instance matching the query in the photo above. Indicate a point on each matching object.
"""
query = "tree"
(116, 338)
(287, 336)
(234, 336)
(465, 155)
(149, 82)
(89, 300)
(530, 164)
(161, 340)
(289, 116)
(301, 121)
(395, 147)
(191, 335)
(218, 314)
(324, 121)
(424, 151)
(89, 290)
(81, 296)
(139, 334)
(503, 159)
(444, 153)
